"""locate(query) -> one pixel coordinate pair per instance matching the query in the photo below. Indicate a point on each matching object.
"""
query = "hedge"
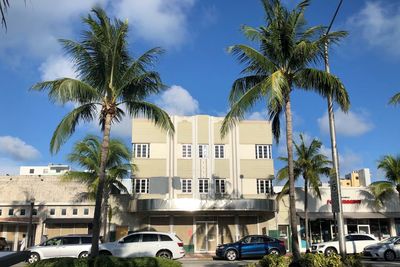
(107, 261)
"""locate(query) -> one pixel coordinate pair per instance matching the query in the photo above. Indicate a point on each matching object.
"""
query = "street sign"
(334, 195)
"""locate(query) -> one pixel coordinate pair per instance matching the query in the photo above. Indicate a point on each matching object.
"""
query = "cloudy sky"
(196, 34)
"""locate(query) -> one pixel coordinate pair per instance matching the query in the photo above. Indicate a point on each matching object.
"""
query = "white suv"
(145, 244)
(76, 246)
(355, 243)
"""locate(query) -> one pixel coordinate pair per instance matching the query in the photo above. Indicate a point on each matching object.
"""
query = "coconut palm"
(87, 154)
(4, 4)
(287, 49)
(309, 164)
(394, 100)
(108, 78)
(384, 189)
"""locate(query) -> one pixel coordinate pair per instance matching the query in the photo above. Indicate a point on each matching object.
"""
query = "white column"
(16, 234)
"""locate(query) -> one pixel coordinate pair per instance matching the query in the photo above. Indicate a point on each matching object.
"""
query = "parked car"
(145, 244)
(355, 243)
(388, 249)
(250, 247)
(3, 244)
(75, 246)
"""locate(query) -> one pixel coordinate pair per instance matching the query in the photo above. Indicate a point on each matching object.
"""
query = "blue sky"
(196, 66)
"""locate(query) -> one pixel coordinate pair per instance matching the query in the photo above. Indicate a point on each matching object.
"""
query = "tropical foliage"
(287, 49)
(309, 164)
(394, 100)
(381, 190)
(4, 4)
(109, 79)
(87, 154)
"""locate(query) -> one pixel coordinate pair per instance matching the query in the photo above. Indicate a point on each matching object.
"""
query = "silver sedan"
(388, 249)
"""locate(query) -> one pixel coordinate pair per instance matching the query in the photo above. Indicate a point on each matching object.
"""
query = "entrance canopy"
(347, 215)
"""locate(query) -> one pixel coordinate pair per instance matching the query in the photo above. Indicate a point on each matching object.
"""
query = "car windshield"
(389, 240)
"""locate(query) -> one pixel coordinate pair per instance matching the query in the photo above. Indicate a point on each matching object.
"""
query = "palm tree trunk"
(292, 200)
(100, 188)
(306, 213)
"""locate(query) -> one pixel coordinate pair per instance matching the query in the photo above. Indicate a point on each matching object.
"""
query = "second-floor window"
(141, 150)
(203, 186)
(220, 186)
(263, 151)
(219, 151)
(186, 151)
(141, 186)
(264, 186)
(203, 151)
(186, 185)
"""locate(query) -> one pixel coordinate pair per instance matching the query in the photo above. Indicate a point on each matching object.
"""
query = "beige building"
(207, 189)
(51, 169)
(357, 178)
(58, 208)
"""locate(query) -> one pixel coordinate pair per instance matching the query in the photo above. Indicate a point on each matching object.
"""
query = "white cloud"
(17, 149)
(8, 166)
(57, 67)
(178, 101)
(378, 23)
(256, 115)
(348, 160)
(349, 124)
(158, 21)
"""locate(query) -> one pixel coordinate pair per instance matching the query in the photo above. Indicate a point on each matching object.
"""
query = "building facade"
(51, 169)
(357, 178)
(207, 189)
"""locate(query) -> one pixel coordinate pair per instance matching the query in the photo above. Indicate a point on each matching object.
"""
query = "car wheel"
(34, 257)
(274, 251)
(164, 254)
(330, 251)
(390, 255)
(83, 254)
(231, 255)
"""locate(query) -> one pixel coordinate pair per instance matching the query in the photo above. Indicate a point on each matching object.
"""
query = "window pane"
(86, 240)
(132, 239)
(71, 240)
(165, 238)
(54, 241)
(149, 238)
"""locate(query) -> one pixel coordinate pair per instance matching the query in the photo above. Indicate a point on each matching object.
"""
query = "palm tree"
(310, 164)
(87, 154)
(287, 49)
(383, 189)
(4, 4)
(394, 100)
(110, 78)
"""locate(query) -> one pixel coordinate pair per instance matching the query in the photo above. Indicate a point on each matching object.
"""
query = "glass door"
(206, 236)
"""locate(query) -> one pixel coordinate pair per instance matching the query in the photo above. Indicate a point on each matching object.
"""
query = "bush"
(274, 261)
(352, 261)
(107, 261)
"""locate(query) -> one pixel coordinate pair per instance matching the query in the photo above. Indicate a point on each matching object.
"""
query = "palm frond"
(394, 100)
(381, 190)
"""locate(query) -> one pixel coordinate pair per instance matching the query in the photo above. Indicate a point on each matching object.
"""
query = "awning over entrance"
(192, 204)
(346, 215)
(18, 220)
(68, 220)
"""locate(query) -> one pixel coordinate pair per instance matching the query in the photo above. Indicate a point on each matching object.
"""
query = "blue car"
(251, 246)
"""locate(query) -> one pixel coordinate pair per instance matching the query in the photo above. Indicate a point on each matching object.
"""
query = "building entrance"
(206, 236)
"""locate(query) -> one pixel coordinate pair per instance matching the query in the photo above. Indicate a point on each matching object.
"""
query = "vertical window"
(263, 151)
(31, 170)
(1, 212)
(141, 150)
(264, 186)
(34, 212)
(203, 151)
(203, 186)
(74, 211)
(22, 212)
(142, 186)
(220, 186)
(11, 212)
(52, 211)
(64, 212)
(186, 151)
(186, 185)
(219, 151)
(86, 211)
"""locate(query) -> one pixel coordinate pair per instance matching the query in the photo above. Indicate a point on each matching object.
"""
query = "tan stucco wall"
(221, 168)
(217, 135)
(184, 132)
(150, 167)
(260, 168)
(202, 130)
(158, 150)
(184, 168)
(255, 132)
(144, 131)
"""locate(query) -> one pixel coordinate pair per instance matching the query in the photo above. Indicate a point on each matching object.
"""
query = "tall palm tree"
(394, 100)
(109, 78)
(287, 49)
(310, 164)
(384, 189)
(87, 154)
(4, 4)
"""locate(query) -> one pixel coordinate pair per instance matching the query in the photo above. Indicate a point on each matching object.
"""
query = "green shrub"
(352, 261)
(274, 261)
(106, 261)
(320, 260)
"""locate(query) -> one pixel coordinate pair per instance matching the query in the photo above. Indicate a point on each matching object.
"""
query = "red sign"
(346, 201)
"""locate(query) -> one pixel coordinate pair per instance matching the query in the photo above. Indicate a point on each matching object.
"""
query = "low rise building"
(51, 169)
(357, 178)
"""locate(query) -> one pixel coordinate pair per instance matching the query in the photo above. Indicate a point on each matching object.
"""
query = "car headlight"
(221, 247)
(321, 246)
